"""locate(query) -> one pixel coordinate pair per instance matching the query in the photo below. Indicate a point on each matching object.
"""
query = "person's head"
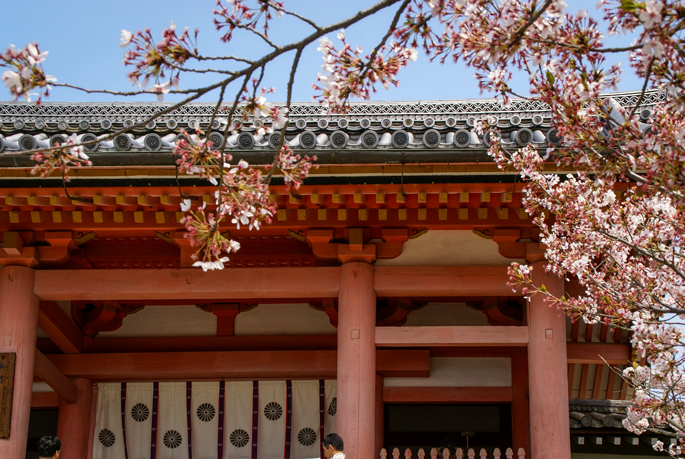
(49, 447)
(332, 444)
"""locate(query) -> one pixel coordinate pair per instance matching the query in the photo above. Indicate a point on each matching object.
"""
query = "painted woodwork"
(122, 285)
(441, 281)
(59, 328)
(520, 411)
(44, 400)
(451, 336)
(225, 315)
(149, 366)
(598, 353)
(19, 308)
(73, 422)
(48, 372)
(547, 379)
(447, 395)
(356, 360)
(267, 283)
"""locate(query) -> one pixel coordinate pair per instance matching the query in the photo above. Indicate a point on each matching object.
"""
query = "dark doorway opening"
(447, 426)
(41, 423)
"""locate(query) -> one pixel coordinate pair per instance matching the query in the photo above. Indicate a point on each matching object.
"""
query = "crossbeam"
(265, 283)
(148, 366)
(598, 353)
(212, 343)
(44, 400)
(442, 281)
(451, 336)
(48, 372)
(447, 394)
(60, 328)
(179, 284)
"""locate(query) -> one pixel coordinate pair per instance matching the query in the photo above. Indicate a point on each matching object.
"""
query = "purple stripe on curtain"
(322, 413)
(123, 416)
(155, 407)
(189, 393)
(288, 416)
(255, 417)
(220, 446)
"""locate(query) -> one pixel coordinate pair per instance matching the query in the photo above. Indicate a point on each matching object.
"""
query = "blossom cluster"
(242, 196)
(25, 72)
(253, 102)
(616, 224)
(347, 72)
(155, 60)
(237, 14)
(70, 154)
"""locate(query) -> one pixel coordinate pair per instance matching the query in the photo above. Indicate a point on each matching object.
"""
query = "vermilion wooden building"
(375, 305)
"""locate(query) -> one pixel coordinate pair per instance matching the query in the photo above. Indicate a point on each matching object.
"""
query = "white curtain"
(138, 419)
(272, 415)
(109, 437)
(238, 420)
(172, 423)
(197, 405)
(306, 433)
(331, 407)
(204, 415)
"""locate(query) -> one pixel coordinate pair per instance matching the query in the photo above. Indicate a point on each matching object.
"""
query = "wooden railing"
(470, 454)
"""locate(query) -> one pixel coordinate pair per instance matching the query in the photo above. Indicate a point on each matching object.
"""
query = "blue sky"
(82, 39)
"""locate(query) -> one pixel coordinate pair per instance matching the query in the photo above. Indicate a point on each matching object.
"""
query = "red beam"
(178, 284)
(60, 328)
(482, 351)
(445, 281)
(212, 343)
(451, 336)
(242, 364)
(48, 372)
(447, 394)
(403, 364)
(44, 400)
(265, 283)
(597, 353)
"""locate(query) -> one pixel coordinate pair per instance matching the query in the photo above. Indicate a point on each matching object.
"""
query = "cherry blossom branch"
(301, 18)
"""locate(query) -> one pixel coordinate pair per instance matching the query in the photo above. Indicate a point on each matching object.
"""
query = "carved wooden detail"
(359, 245)
(225, 315)
(94, 317)
(26, 248)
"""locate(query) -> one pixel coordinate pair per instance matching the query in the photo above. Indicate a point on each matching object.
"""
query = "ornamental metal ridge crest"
(16, 116)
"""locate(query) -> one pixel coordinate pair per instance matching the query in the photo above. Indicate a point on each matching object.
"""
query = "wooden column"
(18, 322)
(548, 385)
(93, 418)
(380, 415)
(520, 414)
(73, 421)
(357, 360)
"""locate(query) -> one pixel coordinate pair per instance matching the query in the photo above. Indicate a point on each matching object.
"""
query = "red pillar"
(357, 360)
(73, 421)
(380, 416)
(519, 405)
(548, 384)
(18, 322)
